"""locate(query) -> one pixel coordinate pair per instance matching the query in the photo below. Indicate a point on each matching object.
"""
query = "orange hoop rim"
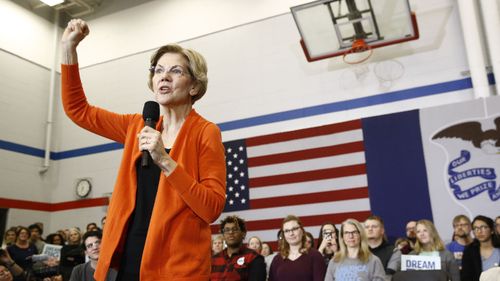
(358, 46)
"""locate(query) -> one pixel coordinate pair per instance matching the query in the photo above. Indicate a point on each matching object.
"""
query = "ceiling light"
(52, 2)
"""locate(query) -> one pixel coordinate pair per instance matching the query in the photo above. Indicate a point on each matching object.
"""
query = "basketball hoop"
(359, 52)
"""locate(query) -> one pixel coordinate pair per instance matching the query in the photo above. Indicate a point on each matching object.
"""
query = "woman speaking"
(158, 220)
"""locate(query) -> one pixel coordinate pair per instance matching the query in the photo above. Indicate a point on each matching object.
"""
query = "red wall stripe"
(53, 207)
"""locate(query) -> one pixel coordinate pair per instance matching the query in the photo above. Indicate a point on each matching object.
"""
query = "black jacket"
(471, 263)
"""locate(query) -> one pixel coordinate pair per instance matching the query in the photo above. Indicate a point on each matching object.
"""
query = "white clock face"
(83, 188)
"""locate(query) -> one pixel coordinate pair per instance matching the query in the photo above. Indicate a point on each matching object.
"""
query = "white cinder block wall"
(256, 67)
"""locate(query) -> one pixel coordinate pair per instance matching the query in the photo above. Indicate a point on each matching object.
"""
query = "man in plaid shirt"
(236, 262)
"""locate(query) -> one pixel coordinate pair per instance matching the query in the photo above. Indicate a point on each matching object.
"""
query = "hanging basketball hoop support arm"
(375, 24)
(354, 16)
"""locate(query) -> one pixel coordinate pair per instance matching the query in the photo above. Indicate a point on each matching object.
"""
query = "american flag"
(317, 174)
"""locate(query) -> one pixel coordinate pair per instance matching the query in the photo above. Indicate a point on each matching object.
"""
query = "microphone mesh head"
(151, 111)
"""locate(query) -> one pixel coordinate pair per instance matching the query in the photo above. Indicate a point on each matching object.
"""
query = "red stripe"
(344, 171)
(53, 207)
(23, 204)
(308, 220)
(275, 224)
(305, 133)
(310, 198)
(85, 203)
(306, 154)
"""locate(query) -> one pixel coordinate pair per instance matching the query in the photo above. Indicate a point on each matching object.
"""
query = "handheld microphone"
(151, 115)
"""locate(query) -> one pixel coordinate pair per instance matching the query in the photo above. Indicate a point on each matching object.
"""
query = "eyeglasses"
(460, 225)
(230, 230)
(176, 70)
(289, 231)
(351, 233)
(91, 245)
(480, 228)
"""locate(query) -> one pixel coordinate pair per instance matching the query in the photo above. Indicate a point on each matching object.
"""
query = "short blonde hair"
(197, 67)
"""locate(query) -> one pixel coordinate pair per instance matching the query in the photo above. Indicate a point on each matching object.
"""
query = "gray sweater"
(355, 270)
(85, 272)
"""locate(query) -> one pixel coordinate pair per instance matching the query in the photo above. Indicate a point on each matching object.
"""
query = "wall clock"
(83, 188)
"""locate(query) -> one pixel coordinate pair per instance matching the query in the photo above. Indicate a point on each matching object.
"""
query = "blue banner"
(485, 173)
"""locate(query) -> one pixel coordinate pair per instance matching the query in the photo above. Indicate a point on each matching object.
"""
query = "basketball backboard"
(330, 27)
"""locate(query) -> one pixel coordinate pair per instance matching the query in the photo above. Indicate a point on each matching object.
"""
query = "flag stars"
(237, 177)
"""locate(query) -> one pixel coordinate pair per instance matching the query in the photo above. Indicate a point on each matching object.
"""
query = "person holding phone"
(328, 241)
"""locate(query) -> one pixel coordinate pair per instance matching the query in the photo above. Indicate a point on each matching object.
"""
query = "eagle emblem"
(488, 141)
(473, 156)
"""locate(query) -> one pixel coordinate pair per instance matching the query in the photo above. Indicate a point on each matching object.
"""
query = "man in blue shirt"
(461, 237)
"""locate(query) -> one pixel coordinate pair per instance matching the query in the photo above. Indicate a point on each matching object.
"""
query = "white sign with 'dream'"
(413, 262)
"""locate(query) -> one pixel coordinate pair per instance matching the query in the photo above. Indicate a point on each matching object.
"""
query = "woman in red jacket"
(158, 221)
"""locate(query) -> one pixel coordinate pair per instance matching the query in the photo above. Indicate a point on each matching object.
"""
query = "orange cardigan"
(178, 241)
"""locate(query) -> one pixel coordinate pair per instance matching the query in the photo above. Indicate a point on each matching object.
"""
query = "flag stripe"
(308, 176)
(308, 165)
(309, 187)
(305, 143)
(304, 133)
(308, 220)
(317, 197)
(313, 220)
(306, 154)
(271, 234)
(345, 206)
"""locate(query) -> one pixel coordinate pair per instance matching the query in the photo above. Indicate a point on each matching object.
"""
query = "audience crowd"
(351, 250)
(26, 256)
